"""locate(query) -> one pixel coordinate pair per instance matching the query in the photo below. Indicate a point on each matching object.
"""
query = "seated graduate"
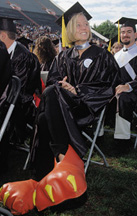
(5, 67)
(126, 92)
(5, 77)
(81, 81)
(26, 67)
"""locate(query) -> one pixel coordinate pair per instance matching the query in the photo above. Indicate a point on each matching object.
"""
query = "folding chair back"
(4, 212)
(93, 142)
(11, 98)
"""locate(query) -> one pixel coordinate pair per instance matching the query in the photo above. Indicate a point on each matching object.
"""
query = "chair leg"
(103, 156)
(91, 151)
(135, 145)
(94, 143)
(26, 162)
(5, 212)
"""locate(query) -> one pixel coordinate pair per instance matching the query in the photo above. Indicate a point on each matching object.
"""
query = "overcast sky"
(102, 10)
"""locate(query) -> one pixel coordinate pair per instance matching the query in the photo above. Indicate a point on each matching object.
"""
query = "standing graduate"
(81, 81)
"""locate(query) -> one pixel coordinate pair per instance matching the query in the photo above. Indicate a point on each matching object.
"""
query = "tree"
(107, 29)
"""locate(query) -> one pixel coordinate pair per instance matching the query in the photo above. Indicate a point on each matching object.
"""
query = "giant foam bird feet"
(65, 181)
(18, 196)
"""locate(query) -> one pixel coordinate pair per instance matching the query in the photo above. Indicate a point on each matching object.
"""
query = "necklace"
(83, 46)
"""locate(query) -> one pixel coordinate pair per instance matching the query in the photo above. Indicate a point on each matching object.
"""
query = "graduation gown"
(94, 76)
(5, 68)
(26, 66)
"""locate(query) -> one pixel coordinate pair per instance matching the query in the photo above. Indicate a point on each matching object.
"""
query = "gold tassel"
(63, 32)
(109, 46)
(118, 33)
(64, 37)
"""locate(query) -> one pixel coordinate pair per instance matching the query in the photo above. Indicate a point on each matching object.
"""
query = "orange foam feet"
(65, 181)
(18, 196)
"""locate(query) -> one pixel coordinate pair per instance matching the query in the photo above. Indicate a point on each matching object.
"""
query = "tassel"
(63, 32)
(109, 46)
(118, 33)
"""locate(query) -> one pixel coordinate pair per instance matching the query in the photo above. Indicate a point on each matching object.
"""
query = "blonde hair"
(114, 45)
(71, 29)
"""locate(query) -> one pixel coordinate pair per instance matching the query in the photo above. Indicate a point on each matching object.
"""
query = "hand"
(122, 88)
(67, 85)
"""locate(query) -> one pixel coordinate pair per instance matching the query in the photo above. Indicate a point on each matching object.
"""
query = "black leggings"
(57, 129)
(52, 137)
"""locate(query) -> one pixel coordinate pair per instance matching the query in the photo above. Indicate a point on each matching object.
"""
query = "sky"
(103, 10)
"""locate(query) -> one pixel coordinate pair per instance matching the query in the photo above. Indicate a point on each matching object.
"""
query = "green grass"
(111, 191)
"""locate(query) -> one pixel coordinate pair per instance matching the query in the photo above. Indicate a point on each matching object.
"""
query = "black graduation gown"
(94, 76)
(46, 65)
(26, 66)
(5, 67)
(5, 76)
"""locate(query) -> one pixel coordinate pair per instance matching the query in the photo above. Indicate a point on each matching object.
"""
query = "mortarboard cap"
(55, 42)
(7, 24)
(76, 8)
(127, 22)
(24, 41)
(113, 40)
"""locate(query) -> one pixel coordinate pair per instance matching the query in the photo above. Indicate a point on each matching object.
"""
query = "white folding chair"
(93, 142)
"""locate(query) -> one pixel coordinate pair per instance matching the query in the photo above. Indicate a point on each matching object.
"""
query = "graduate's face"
(116, 47)
(128, 36)
(82, 30)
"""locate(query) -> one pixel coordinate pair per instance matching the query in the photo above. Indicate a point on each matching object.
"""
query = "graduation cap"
(76, 8)
(64, 19)
(111, 42)
(114, 42)
(7, 24)
(24, 41)
(127, 22)
(55, 42)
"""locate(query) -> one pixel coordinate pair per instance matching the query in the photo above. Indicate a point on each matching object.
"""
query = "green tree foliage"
(107, 29)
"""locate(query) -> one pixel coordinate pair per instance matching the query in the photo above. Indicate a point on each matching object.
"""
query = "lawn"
(112, 191)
